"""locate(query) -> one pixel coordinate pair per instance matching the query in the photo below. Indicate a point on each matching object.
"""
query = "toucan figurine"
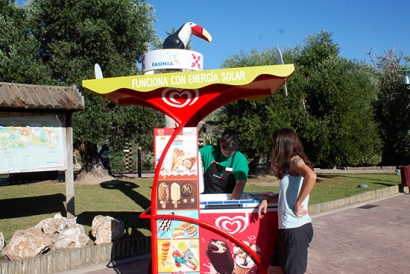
(180, 38)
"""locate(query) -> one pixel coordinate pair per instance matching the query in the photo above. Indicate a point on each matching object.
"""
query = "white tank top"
(289, 188)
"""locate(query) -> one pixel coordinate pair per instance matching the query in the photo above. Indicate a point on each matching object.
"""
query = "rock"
(27, 243)
(59, 233)
(58, 224)
(106, 229)
(73, 237)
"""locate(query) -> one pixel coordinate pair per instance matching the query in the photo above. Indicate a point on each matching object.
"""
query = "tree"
(393, 107)
(72, 36)
(341, 129)
(253, 118)
(329, 105)
(18, 60)
(75, 34)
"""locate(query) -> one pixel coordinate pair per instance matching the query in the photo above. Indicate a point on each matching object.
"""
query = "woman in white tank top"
(297, 178)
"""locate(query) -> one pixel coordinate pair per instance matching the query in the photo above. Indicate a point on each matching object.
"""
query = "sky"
(357, 26)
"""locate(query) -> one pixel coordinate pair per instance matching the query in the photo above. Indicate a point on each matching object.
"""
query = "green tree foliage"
(75, 34)
(329, 105)
(255, 120)
(18, 60)
(393, 108)
(63, 39)
(341, 129)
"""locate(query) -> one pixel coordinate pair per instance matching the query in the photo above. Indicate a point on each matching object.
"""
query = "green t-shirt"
(210, 153)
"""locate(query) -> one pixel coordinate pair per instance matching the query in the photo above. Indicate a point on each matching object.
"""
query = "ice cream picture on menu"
(177, 156)
(164, 251)
(220, 256)
(175, 194)
(243, 262)
(181, 163)
(178, 256)
(163, 194)
(188, 163)
(189, 255)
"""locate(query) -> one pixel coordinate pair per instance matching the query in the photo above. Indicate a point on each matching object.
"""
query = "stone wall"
(359, 198)
(59, 261)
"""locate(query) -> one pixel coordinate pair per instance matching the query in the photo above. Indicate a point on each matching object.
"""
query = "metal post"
(139, 162)
(128, 157)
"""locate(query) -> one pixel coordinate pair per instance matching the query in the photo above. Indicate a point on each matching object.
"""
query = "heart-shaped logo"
(179, 98)
(233, 225)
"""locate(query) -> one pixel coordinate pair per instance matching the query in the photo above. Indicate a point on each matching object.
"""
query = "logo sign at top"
(163, 60)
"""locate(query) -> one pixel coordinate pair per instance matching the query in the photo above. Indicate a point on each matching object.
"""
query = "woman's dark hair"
(285, 145)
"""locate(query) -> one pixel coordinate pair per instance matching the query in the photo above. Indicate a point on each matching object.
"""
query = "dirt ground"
(91, 180)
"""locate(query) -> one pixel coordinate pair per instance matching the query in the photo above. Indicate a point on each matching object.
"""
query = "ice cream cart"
(194, 233)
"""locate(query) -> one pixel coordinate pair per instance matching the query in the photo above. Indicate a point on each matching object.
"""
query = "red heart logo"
(179, 98)
(233, 225)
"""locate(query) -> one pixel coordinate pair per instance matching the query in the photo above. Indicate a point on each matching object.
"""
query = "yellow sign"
(187, 80)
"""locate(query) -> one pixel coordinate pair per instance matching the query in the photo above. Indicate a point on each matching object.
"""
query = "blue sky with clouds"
(357, 26)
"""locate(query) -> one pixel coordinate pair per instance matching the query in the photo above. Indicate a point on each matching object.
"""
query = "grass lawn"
(331, 187)
(24, 205)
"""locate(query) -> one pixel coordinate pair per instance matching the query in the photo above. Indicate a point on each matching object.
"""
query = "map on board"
(31, 143)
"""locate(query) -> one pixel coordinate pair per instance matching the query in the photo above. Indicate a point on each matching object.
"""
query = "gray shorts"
(291, 249)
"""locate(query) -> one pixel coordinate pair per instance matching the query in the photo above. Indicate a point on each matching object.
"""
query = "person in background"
(104, 158)
(225, 168)
(297, 178)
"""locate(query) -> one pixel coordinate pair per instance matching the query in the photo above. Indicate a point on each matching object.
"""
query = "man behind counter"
(225, 168)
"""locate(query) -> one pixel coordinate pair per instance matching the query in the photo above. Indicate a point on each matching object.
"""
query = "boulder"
(72, 237)
(26, 244)
(59, 233)
(58, 224)
(106, 229)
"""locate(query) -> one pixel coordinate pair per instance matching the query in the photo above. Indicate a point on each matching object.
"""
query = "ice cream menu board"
(177, 194)
(181, 159)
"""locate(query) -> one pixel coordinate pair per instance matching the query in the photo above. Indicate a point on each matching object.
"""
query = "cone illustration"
(165, 251)
(177, 155)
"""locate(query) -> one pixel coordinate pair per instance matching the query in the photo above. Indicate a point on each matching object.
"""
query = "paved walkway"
(370, 237)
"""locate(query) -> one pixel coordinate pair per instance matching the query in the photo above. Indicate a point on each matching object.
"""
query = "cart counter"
(240, 219)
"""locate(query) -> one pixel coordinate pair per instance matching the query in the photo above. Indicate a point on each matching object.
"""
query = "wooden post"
(69, 173)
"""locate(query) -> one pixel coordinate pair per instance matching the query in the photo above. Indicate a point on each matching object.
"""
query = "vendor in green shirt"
(225, 168)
